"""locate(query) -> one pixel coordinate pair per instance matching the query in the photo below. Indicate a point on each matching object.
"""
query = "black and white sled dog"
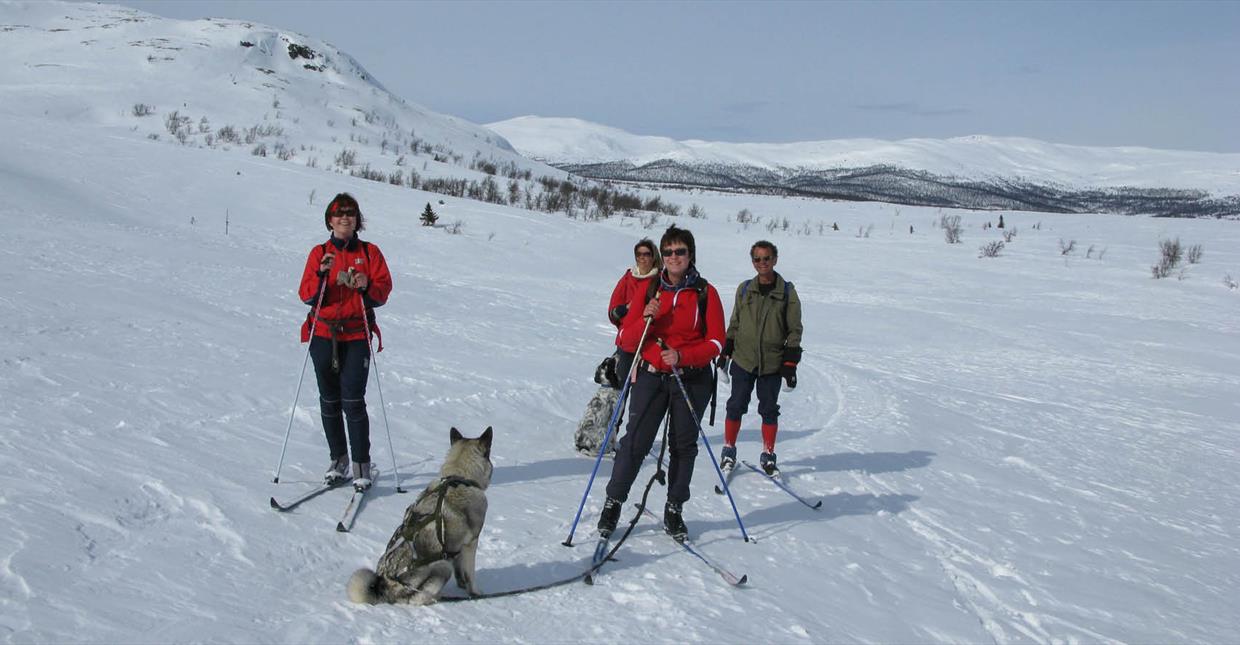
(439, 536)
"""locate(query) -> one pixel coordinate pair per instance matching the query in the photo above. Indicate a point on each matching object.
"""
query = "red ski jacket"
(342, 308)
(626, 289)
(679, 324)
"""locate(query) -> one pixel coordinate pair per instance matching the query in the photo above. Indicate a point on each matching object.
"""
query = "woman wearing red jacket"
(687, 317)
(634, 281)
(344, 280)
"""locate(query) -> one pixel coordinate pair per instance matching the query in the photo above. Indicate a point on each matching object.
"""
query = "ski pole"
(301, 376)
(374, 359)
(709, 451)
(628, 381)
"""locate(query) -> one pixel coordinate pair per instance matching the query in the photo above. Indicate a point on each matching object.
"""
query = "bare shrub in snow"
(771, 226)
(990, 249)
(1066, 248)
(227, 134)
(951, 228)
(696, 212)
(346, 158)
(864, 231)
(142, 109)
(455, 227)
(649, 220)
(1170, 254)
(1194, 254)
(1230, 282)
(743, 216)
(1008, 234)
(259, 150)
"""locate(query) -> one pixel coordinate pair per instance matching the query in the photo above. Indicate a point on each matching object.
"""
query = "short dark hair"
(682, 235)
(648, 244)
(763, 244)
(342, 200)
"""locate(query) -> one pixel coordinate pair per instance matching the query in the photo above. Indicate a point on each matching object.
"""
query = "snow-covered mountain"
(229, 84)
(974, 171)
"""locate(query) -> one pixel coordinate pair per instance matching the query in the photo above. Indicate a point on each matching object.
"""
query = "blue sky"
(1162, 75)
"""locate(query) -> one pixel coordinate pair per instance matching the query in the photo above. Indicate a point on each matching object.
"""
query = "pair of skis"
(774, 479)
(350, 511)
(603, 547)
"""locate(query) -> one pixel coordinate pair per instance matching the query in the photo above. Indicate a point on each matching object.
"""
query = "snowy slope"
(1029, 448)
(1024, 448)
(574, 141)
(296, 95)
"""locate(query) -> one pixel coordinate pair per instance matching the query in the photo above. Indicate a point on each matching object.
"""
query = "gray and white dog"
(439, 536)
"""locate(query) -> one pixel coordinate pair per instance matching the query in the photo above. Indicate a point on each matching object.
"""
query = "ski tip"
(589, 579)
(743, 580)
(817, 506)
(276, 505)
(276, 480)
(341, 527)
(718, 491)
(401, 490)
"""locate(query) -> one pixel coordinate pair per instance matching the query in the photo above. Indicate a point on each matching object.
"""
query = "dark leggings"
(650, 400)
(342, 395)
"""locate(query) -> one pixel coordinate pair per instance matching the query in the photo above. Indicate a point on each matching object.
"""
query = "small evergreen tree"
(1000, 221)
(428, 216)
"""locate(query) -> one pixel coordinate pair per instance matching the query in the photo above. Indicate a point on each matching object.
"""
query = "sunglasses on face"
(762, 259)
(344, 213)
(644, 254)
(680, 252)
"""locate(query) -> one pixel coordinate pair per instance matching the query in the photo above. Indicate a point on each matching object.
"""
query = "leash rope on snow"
(641, 507)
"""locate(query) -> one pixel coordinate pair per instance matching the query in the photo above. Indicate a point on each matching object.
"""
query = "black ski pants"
(342, 395)
(650, 400)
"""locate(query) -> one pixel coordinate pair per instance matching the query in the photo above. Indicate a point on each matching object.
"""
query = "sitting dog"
(439, 536)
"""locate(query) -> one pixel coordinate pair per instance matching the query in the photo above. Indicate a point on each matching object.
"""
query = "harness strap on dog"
(445, 484)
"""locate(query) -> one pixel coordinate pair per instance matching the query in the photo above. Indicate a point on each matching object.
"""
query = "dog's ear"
(455, 436)
(486, 442)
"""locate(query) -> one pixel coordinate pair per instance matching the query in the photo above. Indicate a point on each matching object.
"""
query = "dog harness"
(445, 484)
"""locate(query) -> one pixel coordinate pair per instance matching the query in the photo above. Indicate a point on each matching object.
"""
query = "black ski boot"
(767, 459)
(610, 515)
(727, 459)
(674, 523)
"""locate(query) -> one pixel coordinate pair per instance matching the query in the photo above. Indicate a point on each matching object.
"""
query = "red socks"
(731, 429)
(768, 436)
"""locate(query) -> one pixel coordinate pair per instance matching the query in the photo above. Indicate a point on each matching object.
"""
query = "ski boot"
(674, 523)
(338, 472)
(361, 476)
(727, 459)
(609, 517)
(767, 460)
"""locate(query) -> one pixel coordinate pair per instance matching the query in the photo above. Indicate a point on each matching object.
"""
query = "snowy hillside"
(1035, 447)
(228, 84)
(1029, 448)
(977, 171)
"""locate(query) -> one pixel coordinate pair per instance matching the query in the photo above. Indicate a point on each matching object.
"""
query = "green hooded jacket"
(762, 329)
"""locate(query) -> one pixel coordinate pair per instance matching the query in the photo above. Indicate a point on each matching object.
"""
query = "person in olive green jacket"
(764, 345)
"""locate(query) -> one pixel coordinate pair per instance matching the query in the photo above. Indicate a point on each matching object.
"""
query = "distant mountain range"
(975, 172)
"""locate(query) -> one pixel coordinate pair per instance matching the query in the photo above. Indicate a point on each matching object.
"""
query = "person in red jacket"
(344, 280)
(686, 332)
(635, 280)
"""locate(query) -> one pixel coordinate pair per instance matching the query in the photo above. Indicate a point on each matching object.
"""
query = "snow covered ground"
(1024, 448)
(1028, 448)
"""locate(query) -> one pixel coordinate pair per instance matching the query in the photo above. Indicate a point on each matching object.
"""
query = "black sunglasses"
(643, 254)
(764, 258)
(680, 252)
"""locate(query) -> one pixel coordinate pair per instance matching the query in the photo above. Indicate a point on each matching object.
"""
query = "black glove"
(729, 346)
(618, 313)
(789, 373)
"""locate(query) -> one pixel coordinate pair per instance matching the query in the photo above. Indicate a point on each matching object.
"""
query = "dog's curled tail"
(364, 587)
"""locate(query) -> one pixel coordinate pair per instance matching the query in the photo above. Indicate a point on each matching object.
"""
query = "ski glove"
(729, 346)
(618, 313)
(789, 373)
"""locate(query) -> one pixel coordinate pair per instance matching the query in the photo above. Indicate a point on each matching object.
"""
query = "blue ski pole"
(685, 393)
(611, 426)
